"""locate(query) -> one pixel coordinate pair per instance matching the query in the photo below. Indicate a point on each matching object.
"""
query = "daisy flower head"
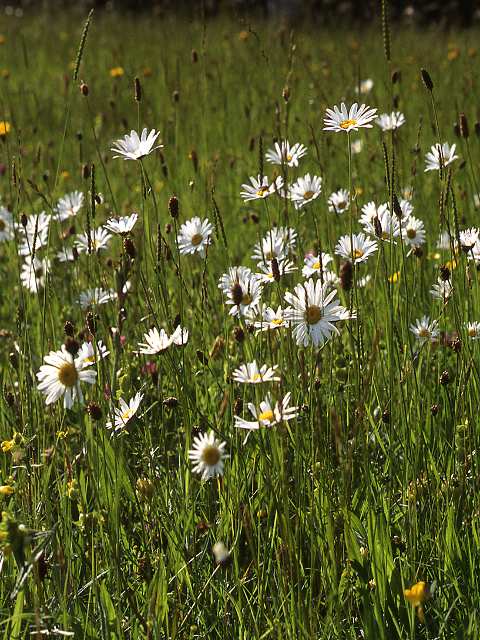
(357, 248)
(349, 120)
(243, 290)
(406, 207)
(89, 353)
(34, 234)
(339, 201)
(267, 414)
(260, 188)
(33, 273)
(271, 319)
(67, 254)
(425, 330)
(365, 86)
(473, 330)
(93, 297)
(390, 121)
(384, 226)
(278, 243)
(123, 225)
(249, 373)
(468, 238)
(442, 290)
(179, 337)
(98, 241)
(305, 190)
(194, 236)
(133, 147)
(208, 455)
(283, 153)
(61, 375)
(371, 211)
(267, 276)
(315, 264)
(125, 413)
(413, 232)
(6, 225)
(314, 312)
(69, 206)
(440, 155)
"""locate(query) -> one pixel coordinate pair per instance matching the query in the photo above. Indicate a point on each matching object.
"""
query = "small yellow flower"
(147, 72)
(243, 35)
(417, 595)
(65, 175)
(358, 191)
(6, 490)
(116, 72)
(7, 445)
(395, 277)
(453, 53)
(72, 488)
(4, 128)
(451, 264)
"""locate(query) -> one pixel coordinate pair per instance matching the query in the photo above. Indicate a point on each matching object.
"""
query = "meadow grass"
(327, 518)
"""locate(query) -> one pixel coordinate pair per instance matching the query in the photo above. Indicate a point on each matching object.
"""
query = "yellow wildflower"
(417, 595)
(116, 72)
(6, 490)
(243, 35)
(4, 128)
(395, 277)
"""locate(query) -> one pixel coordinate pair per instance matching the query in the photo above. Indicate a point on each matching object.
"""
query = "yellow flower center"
(247, 299)
(262, 191)
(289, 158)
(341, 204)
(127, 414)
(266, 416)
(2, 225)
(197, 239)
(316, 265)
(411, 233)
(472, 332)
(308, 194)
(385, 235)
(277, 321)
(313, 314)
(348, 123)
(211, 455)
(358, 253)
(424, 333)
(67, 374)
(256, 376)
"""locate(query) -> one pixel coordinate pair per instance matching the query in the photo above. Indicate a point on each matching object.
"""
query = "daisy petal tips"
(349, 120)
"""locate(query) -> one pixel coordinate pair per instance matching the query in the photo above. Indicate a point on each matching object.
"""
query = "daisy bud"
(173, 207)
(170, 402)
(69, 329)
(194, 56)
(346, 275)
(202, 357)
(137, 90)
(286, 93)
(23, 220)
(221, 554)
(427, 80)
(463, 123)
(275, 270)
(445, 273)
(445, 378)
(239, 334)
(129, 248)
(94, 411)
(84, 88)
(72, 346)
(91, 323)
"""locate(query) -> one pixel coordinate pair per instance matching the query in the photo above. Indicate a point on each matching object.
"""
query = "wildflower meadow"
(239, 328)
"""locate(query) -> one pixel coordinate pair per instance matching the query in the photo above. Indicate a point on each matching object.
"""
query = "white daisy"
(315, 264)
(343, 120)
(194, 236)
(96, 296)
(89, 353)
(440, 155)
(99, 239)
(357, 248)
(6, 225)
(35, 234)
(180, 336)
(243, 290)
(305, 190)
(69, 205)
(371, 211)
(260, 188)
(266, 273)
(122, 225)
(208, 455)
(384, 226)
(67, 254)
(125, 413)
(425, 330)
(157, 342)
(365, 86)
(249, 373)
(61, 376)
(268, 415)
(339, 201)
(131, 147)
(283, 153)
(33, 273)
(468, 238)
(473, 330)
(406, 206)
(278, 243)
(314, 312)
(413, 232)
(271, 319)
(390, 121)
(442, 290)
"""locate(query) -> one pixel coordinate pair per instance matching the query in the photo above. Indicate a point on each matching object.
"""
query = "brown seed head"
(173, 207)
(94, 411)
(427, 80)
(69, 328)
